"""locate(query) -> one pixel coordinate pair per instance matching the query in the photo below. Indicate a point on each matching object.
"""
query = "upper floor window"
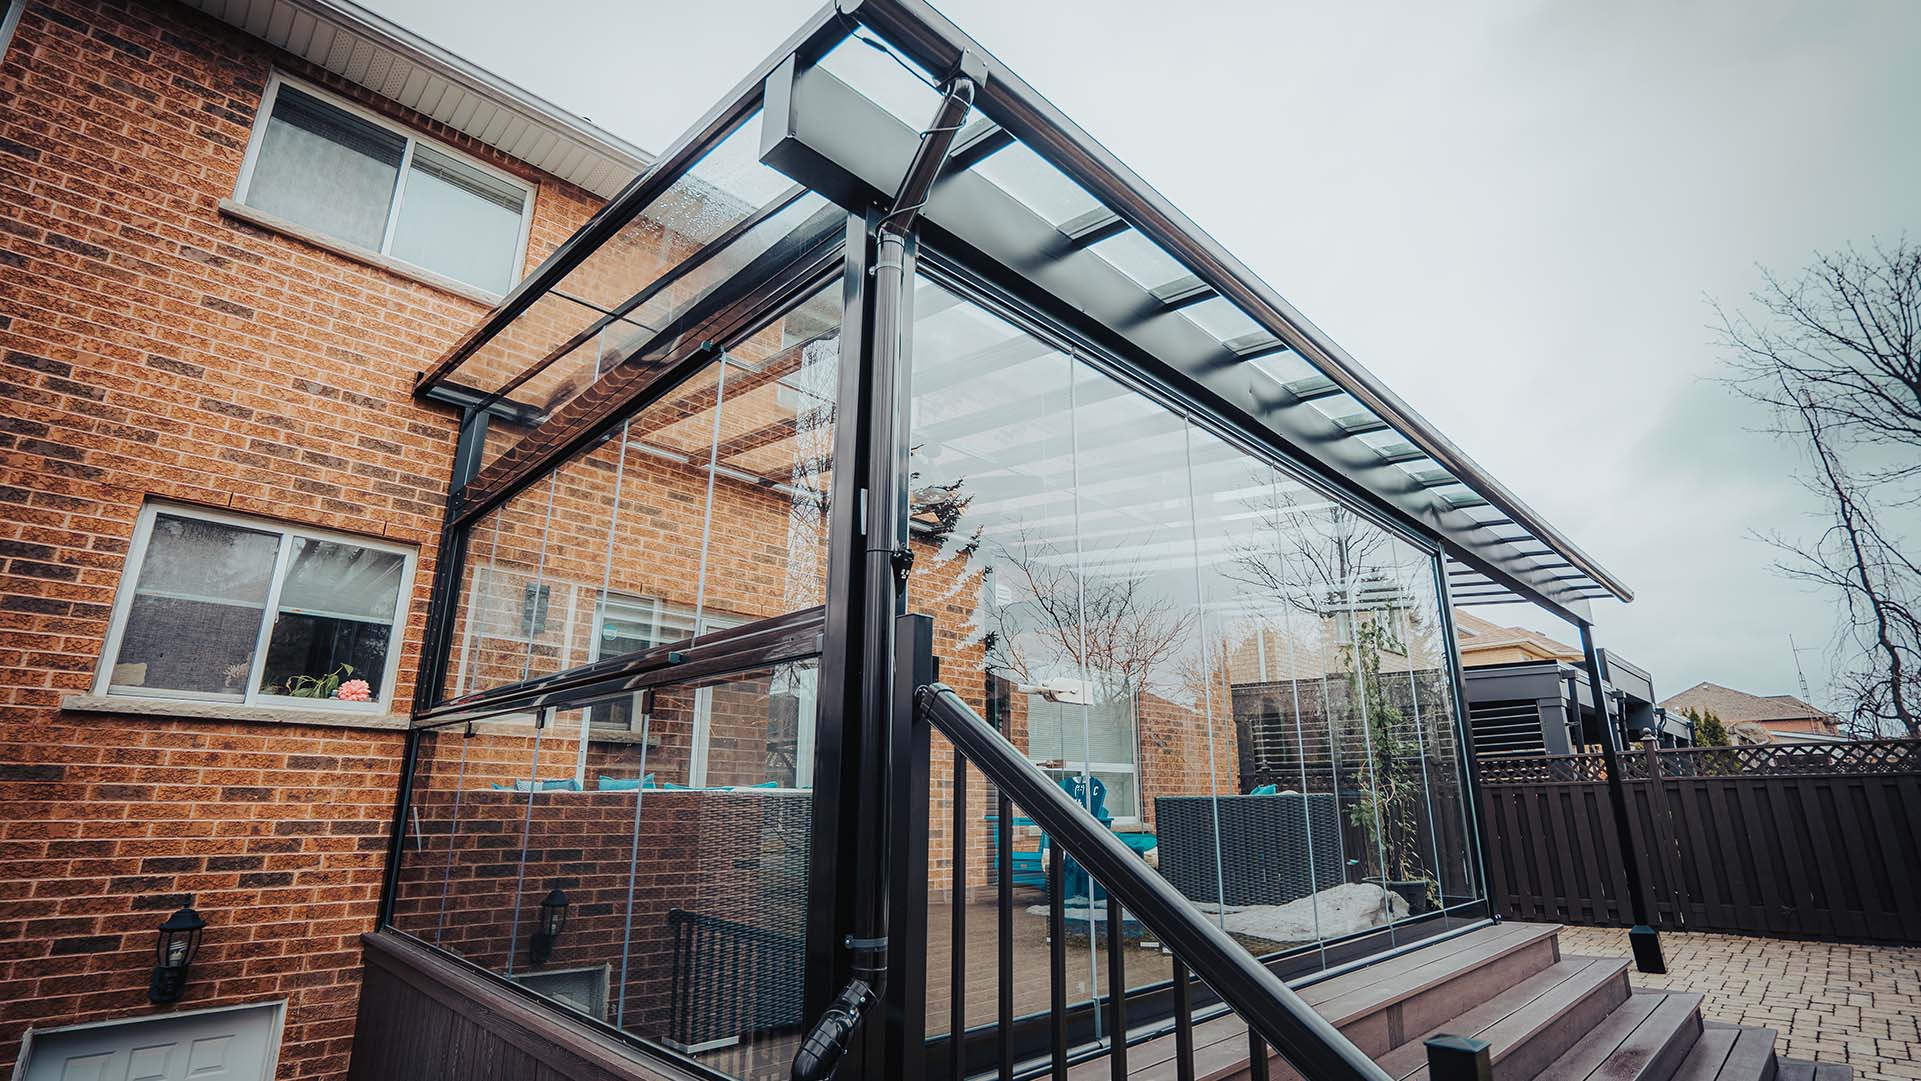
(325, 165)
(224, 608)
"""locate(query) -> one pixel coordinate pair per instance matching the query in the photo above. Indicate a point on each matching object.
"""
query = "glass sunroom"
(887, 372)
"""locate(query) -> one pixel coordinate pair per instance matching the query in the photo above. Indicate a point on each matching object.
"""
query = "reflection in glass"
(334, 622)
(704, 510)
(194, 620)
(681, 849)
(1243, 674)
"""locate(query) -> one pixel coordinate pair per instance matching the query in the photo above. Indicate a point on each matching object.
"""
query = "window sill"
(178, 709)
(245, 213)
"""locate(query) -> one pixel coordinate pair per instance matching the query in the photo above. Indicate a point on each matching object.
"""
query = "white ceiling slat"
(280, 22)
(464, 109)
(257, 18)
(300, 35)
(494, 128)
(325, 35)
(412, 88)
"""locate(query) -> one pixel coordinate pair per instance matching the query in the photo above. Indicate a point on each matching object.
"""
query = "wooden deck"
(1543, 1015)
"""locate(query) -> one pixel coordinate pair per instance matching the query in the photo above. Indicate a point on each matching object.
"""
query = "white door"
(208, 1045)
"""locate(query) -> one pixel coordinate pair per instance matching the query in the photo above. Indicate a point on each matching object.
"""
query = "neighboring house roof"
(1734, 706)
(389, 60)
(1484, 637)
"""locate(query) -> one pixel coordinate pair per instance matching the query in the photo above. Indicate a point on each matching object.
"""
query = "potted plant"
(1388, 814)
(334, 685)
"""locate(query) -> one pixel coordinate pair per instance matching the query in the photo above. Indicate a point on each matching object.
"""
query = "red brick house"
(451, 575)
(184, 320)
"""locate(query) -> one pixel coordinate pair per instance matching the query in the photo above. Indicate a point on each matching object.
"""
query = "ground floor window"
(1069, 738)
(223, 607)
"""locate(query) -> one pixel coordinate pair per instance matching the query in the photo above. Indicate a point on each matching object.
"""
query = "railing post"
(905, 1001)
(1642, 938)
(1458, 1058)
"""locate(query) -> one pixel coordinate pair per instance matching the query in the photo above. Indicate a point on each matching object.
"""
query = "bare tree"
(1112, 625)
(1836, 355)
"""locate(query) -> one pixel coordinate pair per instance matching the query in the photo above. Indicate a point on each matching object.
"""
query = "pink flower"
(354, 690)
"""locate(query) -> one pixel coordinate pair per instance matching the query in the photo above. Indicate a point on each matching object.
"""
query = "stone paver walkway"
(1834, 1003)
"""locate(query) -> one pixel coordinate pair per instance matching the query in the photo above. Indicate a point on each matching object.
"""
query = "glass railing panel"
(642, 861)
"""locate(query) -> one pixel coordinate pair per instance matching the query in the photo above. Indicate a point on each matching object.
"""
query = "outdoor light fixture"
(179, 941)
(553, 920)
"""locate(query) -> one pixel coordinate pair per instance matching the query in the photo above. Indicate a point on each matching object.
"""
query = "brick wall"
(151, 347)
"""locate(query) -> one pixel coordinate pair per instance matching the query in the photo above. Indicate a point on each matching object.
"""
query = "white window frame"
(244, 181)
(287, 532)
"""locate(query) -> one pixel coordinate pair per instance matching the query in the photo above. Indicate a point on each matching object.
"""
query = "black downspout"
(1645, 941)
(882, 520)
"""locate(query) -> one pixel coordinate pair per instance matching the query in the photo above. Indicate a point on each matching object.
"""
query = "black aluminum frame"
(850, 849)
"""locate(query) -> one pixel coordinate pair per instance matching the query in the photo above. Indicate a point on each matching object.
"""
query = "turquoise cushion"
(621, 784)
(568, 785)
(1266, 790)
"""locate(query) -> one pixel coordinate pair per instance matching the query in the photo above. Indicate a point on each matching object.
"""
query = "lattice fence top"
(1526, 769)
(1877, 756)
(1773, 759)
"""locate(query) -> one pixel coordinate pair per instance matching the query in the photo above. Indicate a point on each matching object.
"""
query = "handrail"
(1306, 1039)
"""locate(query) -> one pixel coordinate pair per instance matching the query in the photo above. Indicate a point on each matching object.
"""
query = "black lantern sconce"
(179, 941)
(552, 921)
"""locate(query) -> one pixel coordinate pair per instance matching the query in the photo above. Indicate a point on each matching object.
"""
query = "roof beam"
(825, 134)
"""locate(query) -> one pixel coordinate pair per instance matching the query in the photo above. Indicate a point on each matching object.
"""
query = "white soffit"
(405, 68)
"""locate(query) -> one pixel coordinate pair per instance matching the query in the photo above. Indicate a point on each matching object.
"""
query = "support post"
(905, 1002)
(1645, 941)
(1458, 1058)
(890, 820)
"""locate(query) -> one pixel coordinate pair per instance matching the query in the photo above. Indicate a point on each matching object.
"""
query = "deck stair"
(1543, 1015)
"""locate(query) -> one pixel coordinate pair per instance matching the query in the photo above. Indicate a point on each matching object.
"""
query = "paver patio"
(1829, 1001)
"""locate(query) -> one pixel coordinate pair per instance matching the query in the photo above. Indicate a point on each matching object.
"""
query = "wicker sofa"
(1265, 846)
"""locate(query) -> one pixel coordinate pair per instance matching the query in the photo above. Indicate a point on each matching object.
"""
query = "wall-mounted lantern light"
(179, 941)
(552, 921)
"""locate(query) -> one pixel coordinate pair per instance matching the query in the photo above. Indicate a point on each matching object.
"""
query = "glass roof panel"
(1045, 190)
(1140, 259)
(1285, 367)
(1219, 317)
(720, 192)
(886, 78)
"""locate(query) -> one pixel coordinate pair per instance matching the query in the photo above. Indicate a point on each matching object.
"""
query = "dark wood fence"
(1808, 841)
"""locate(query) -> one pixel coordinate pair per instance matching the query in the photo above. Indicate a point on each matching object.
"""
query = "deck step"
(1730, 1053)
(1645, 1039)
(1526, 1031)
(1410, 1058)
(1750, 1056)
(1376, 1007)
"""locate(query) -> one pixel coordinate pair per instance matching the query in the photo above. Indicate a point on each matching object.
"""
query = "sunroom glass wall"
(1180, 632)
(704, 510)
(645, 878)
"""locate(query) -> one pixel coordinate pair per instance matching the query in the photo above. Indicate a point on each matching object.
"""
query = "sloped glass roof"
(1028, 192)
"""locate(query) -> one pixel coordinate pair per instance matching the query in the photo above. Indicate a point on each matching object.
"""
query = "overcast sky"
(1514, 213)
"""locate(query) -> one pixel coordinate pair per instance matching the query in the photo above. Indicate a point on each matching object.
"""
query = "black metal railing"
(1274, 1014)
